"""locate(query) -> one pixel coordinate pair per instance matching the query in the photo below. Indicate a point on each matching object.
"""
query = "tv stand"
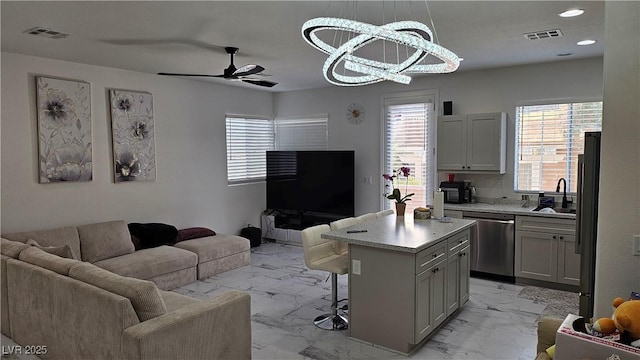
(287, 227)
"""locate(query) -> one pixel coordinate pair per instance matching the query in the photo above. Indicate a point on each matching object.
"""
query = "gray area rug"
(559, 303)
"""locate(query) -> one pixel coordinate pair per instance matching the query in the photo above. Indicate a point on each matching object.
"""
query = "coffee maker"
(470, 193)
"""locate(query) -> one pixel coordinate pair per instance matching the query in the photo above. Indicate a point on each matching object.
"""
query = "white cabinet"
(400, 298)
(545, 250)
(472, 143)
(431, 308)
(458, 272)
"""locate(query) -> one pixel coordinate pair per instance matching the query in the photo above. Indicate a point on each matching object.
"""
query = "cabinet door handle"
(561, 237)
(554, 236)
(435, 270)
(435, 255)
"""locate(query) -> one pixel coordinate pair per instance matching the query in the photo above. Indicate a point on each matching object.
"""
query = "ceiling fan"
(246, 73)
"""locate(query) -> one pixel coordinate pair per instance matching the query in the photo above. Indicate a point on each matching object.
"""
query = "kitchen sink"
(557, 210)
(565, 211)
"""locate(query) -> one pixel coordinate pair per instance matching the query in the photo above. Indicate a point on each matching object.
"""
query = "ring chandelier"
(409, 33)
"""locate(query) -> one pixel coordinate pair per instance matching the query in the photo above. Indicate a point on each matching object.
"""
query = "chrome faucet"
(564, 192)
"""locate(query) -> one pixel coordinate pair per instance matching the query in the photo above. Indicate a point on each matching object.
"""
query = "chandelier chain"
(435, 33)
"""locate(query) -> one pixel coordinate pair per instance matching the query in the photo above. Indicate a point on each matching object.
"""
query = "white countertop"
(401, 233)
(502, 208)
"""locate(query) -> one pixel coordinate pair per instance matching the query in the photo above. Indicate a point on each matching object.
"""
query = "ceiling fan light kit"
(232, 73)
(411, 34)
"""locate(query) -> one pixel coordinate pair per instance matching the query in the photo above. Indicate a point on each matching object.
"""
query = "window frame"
(408, 97)
(246, 180)
(541, 102)
(300, 119)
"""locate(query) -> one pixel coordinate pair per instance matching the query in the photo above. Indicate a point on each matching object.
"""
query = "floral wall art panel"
(64, 130)
(133, 136)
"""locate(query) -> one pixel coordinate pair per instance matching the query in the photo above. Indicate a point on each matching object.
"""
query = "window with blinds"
(308, 133)
(549, 138)
(248, 141)
(408, 138)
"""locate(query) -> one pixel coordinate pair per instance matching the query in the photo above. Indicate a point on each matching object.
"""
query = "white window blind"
(309, 133)
(248, 140)
(409, 125)
(549, 138)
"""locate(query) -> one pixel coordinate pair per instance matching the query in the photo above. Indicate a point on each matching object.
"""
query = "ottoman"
(218, 253)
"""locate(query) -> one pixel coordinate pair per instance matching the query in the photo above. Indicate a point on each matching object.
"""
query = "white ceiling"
(188, 37)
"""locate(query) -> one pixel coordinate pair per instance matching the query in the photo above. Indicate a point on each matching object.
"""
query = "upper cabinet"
(474, 142)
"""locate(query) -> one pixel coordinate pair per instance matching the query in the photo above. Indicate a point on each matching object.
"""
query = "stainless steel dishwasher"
(492, 244)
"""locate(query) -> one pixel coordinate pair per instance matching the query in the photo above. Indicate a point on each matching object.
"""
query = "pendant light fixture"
(343, 67)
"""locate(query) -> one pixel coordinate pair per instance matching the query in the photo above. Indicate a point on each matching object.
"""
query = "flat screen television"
(319, 182)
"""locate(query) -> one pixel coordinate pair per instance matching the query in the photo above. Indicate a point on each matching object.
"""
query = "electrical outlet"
(355, 267)
(636, 245)
(368, 180)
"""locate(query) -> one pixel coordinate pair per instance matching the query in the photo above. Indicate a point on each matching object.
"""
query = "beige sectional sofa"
(81, 311)
(108, 245)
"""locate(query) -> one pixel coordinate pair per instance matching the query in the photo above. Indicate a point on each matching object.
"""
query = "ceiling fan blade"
(197, 75)
(261, 82)
(250, 69)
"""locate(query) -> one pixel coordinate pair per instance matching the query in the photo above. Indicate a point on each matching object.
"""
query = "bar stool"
(320, 254)
(366, 217)
(341, 246)
(382, 213)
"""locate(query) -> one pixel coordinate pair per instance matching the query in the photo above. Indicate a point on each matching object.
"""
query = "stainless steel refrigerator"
(587, 219)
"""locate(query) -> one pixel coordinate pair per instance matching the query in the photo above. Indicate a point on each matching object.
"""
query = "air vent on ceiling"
(546, 34)
(40, 31)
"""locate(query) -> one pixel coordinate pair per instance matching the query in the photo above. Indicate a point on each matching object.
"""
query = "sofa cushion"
(11, 248)
(144, 295)
(104, 240)
(215, 247)
(149, 263)
(63, 251)
(54, 237)
(153, 234)
(194, 233)
(39, 257)
(175, 301)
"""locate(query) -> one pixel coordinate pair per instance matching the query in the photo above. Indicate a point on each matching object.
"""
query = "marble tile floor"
(497, 322)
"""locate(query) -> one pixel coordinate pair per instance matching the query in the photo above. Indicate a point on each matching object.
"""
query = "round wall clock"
(355, 113)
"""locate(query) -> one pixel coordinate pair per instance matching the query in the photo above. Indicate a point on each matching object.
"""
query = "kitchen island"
(406, 277)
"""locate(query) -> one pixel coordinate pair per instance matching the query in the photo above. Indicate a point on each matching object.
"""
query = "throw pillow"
(153, 234)
(194, 233)
(12, 249)
(136, 242)
(64, 251)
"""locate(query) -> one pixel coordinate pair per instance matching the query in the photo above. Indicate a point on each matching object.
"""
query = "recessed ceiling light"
(571, 13)
(586, 42)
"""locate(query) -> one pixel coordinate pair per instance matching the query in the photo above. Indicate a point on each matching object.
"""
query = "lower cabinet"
(431, 295)
(458, 266)
(545, 250)
(400, 298)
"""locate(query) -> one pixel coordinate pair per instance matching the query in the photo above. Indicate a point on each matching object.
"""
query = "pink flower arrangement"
(395, 193)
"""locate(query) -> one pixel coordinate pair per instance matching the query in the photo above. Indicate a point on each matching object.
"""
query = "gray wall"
(496, 90)
(191, 187)
(617, 271)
